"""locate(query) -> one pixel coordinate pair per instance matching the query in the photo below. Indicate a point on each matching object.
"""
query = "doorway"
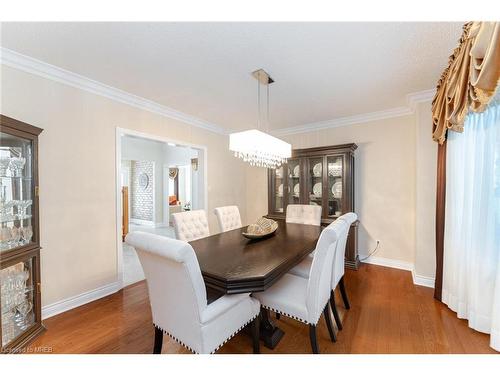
(156, 177)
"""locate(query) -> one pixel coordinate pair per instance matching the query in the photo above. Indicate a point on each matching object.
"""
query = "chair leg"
(278, 316)
(158, 341)
(334, 310)
(312, 336)
(256, 335)
(344, 294)
(331, 330)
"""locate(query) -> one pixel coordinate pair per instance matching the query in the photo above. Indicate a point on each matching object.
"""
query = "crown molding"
(412, 100)
(345, 121)
(30, 65)
(419, 97)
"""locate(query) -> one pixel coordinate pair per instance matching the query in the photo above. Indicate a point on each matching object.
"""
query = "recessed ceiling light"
(171, 144)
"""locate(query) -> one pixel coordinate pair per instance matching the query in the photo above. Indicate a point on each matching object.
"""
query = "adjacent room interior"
(158, 179)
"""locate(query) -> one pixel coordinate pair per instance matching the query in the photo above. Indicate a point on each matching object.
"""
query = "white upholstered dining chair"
(303, 214)
(228, 218)
(191, 225)
(303, 269)
(179, 300)
(305, 299)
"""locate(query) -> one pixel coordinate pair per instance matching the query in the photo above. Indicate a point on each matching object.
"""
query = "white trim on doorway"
(165, 208)
(118, 155)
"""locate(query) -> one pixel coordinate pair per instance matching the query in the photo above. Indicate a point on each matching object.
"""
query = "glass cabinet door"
(314, 184)
(279, 189)
(18, 299)
(294, 181)
(335, 185)
(16, 192)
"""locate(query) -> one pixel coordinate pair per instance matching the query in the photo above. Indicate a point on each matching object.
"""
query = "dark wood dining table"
(231, 263)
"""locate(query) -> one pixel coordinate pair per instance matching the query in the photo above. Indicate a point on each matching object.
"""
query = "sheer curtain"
(471, 269)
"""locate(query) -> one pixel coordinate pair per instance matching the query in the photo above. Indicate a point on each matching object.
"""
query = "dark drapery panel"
(440, 217)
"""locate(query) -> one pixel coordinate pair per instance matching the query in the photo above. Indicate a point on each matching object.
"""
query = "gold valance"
(470, 80)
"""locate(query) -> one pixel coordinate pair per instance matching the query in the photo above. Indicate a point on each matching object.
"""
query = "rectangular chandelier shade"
(259, 149)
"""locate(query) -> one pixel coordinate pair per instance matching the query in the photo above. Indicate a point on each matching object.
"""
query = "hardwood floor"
(388, 315)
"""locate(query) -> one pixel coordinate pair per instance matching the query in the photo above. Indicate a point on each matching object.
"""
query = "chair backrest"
(228, 217)
(303, 214)
(190, 225)
(338, 263)
(320, 276)
(176, 288)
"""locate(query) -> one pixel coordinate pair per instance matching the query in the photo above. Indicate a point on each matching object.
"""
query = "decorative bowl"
(261, 229)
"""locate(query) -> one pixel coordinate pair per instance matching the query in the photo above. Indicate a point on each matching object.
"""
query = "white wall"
(77, 175)
(178, 155)
(425, 202)
(384, 182)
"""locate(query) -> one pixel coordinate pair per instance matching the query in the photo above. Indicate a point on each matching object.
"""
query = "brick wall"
(141, 200)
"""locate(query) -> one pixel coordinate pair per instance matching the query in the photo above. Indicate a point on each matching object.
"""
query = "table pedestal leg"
(269, 333)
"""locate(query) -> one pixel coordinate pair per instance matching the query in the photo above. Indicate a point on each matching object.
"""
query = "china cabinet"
(321, 176)
(20, 300)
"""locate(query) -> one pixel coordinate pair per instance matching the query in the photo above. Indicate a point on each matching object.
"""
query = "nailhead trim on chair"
(293, 316)
(239, 329)
(175, 338)
(212, 352)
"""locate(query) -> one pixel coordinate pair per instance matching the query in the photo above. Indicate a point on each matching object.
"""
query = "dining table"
(231, 263)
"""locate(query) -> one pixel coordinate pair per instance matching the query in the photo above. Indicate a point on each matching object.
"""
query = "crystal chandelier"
(256, 147)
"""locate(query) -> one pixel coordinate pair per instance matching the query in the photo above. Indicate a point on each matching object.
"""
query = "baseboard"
(422, 280)
(402, 265)
(149, 224)
(386, 262)
(142, 222)
(79, 300)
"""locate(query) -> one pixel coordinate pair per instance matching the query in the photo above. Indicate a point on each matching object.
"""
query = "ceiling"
(323, 71)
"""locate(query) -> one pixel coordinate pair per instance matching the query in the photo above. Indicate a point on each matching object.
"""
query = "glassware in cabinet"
(17, 299)
(16, 191)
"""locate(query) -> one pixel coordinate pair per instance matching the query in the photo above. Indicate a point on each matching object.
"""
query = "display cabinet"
(321, 176)
(20, 300)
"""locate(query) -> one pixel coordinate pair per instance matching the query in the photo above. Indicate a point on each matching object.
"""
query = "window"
(471, 263)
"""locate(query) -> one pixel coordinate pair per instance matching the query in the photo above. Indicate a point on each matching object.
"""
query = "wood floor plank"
(388, 314)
